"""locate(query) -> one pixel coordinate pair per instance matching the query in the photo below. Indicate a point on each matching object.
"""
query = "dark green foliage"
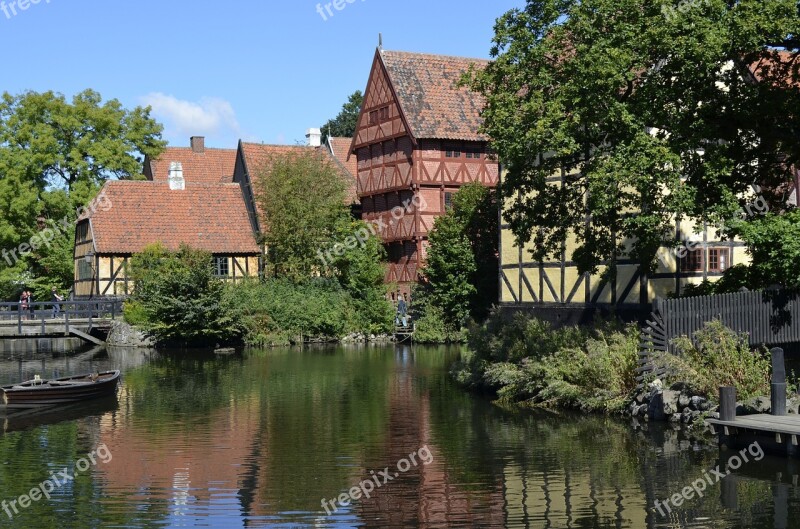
(524, 360)
(429, 320)
(179, 299)
(636, 103)
(717, 356)
(773, 241)
(460, 275)
(302, 198)
(345, 123)
(360, 271)
(54, 156)
(279, 311)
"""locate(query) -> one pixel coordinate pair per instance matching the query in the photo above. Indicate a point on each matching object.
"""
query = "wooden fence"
(769, 317)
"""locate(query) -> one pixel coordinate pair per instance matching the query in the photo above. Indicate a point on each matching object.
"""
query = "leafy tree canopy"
(344, 124)
(54, 157)
(650, 111)
(302, 197)
(47, 141)
(460, 275)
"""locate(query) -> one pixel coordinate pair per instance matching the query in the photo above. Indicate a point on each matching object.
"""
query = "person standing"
(56, 299)
(30, 306)
(402, 310)
(23, 302)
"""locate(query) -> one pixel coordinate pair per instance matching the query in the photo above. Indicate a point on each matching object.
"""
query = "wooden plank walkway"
(786, 424)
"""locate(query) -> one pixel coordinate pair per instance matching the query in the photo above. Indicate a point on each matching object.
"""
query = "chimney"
(198, 144)
(314, 137)
(176, 181)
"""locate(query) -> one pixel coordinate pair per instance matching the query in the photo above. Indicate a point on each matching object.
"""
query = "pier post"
(727, 403)
(778, 385)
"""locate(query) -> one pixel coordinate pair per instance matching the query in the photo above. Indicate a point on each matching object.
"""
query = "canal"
(261, 439)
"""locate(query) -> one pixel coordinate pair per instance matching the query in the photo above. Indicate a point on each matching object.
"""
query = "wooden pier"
(775, 431)
(404, 334)
(83, 319)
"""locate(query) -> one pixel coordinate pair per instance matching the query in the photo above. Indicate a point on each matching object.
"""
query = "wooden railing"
(770, 317)
(45, 313)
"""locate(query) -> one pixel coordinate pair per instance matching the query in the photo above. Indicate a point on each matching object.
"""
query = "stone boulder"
(123, 335)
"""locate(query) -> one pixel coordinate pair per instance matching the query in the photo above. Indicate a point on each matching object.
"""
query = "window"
(84, 270)
(718, 259)
(452, 153)
(82, 232)
(379, 116)
(448, 200)
(473, 153)
(221, 267)
(692, 261)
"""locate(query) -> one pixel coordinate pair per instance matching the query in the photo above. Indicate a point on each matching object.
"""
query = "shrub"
(177, 298)
(277, 311)
(525, 360)
(718, 357)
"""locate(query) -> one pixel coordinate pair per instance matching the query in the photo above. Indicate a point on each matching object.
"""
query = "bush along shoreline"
(524, 362)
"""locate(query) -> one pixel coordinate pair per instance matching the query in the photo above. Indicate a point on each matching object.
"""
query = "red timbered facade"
(417, 143)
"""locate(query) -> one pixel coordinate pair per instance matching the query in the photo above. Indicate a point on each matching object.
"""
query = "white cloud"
(210, 116)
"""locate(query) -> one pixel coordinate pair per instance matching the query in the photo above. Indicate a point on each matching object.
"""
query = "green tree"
(449, 271)
(360, 270)
(650, 112)
(345, 123)
(54, 157)
(178, 298)
(460, 275)
(302, 197)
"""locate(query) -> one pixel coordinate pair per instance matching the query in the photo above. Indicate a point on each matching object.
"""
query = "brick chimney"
(198, 144)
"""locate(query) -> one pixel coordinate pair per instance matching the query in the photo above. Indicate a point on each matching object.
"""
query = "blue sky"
(260, 70)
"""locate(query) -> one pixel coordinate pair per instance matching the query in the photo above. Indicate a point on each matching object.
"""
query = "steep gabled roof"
(432, 103)
(208, 167)
(340, 148)
(257, 155)
(210, 217)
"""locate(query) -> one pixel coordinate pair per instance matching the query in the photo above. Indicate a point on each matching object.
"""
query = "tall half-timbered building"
(417, 142)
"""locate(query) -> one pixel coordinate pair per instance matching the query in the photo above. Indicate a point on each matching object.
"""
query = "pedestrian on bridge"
(56, 299)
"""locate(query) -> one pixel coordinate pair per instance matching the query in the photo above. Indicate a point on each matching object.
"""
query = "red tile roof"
(210, 217)
(258, 155)
(780, 65)
(208, 167)
(433, 105)
(340, 148)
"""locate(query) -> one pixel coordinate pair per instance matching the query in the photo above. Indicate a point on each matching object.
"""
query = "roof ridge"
(189, 149)
(278, 145)
(436, 55)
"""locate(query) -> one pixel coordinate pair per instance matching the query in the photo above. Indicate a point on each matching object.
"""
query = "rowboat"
(39, 392)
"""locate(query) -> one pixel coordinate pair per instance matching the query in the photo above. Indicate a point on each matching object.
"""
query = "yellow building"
(701, 256)
(127, 216)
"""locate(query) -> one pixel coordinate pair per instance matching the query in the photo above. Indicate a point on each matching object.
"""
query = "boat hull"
(60, 391)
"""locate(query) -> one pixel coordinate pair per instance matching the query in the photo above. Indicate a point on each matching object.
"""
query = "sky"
(259, 70)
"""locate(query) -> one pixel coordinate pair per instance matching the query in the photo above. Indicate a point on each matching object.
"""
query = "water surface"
(259, 440)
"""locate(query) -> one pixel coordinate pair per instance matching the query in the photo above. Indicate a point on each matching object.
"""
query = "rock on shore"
(124, 335)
